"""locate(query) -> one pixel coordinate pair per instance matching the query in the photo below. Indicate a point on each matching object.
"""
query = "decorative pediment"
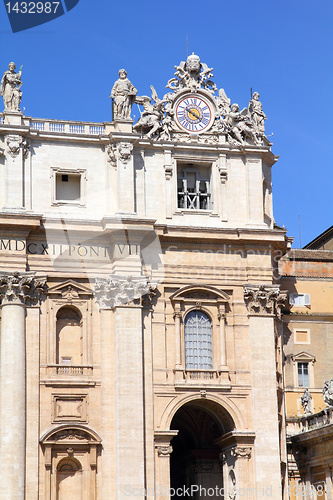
(200, 292)
(67, 434)
(303, 356)
(70, 290)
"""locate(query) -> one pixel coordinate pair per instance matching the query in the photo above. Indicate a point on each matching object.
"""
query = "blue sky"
(282, 49)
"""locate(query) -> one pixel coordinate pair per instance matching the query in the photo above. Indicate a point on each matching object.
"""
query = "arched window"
(198, 341)
(69, 336)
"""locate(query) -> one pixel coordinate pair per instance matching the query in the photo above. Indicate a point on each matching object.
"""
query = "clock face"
(194, 114)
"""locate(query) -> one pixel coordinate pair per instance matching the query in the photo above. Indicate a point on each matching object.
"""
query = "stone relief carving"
(192, 74)
(15, 143)
(240, 127)
(264, 299)
(241, 452)
(164, 451)
(123, 93)
(306, 401)
(328, 392)
(21, 288)
(111, 150)
(115, 291)
(125, 151)
(11, 88)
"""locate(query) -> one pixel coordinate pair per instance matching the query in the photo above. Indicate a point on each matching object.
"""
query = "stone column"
(163, 450)
(263, 302)
(124, 296)
(16, 290)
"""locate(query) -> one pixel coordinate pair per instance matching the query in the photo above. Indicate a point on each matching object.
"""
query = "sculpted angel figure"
(10, 88)
(257, 114)
(240, 125)
(152, 114)
(123, 93)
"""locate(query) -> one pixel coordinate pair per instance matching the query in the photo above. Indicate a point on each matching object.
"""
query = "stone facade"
(141, 316)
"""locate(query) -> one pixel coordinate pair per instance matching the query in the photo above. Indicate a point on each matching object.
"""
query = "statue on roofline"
(193, 74)
(257, 114)
(10, 88)
(123, 93)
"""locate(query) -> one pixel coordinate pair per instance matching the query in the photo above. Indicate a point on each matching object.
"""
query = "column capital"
(122, 290)
(264, 300)
(21, 288)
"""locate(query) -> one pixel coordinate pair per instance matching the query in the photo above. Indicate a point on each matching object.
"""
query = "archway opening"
(195, 461)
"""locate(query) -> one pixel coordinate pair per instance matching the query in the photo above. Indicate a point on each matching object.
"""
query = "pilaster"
(263, 304)
(123, 295)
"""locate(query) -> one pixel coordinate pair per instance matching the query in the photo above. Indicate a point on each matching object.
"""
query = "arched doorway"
(196, 458)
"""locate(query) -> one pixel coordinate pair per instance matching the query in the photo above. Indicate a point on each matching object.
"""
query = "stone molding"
(21, 288)
(122, 291)
(264, 299)
(125, 151)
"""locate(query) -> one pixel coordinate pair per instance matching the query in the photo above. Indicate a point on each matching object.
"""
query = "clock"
(194, 114)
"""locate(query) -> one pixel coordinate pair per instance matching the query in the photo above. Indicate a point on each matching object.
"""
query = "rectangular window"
(299, 299)
(68, 187)
(303, 374)
(194, 186)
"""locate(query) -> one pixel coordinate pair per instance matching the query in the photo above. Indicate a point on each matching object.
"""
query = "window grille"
(194, 192)
(198, 341)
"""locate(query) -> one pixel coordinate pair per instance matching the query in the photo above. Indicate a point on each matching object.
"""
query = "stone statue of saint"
(306, 401)
(257, 114)
(124, 94)
(10, 88)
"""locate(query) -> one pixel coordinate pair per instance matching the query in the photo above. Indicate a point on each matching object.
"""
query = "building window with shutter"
(299, 299)
(198, 341)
